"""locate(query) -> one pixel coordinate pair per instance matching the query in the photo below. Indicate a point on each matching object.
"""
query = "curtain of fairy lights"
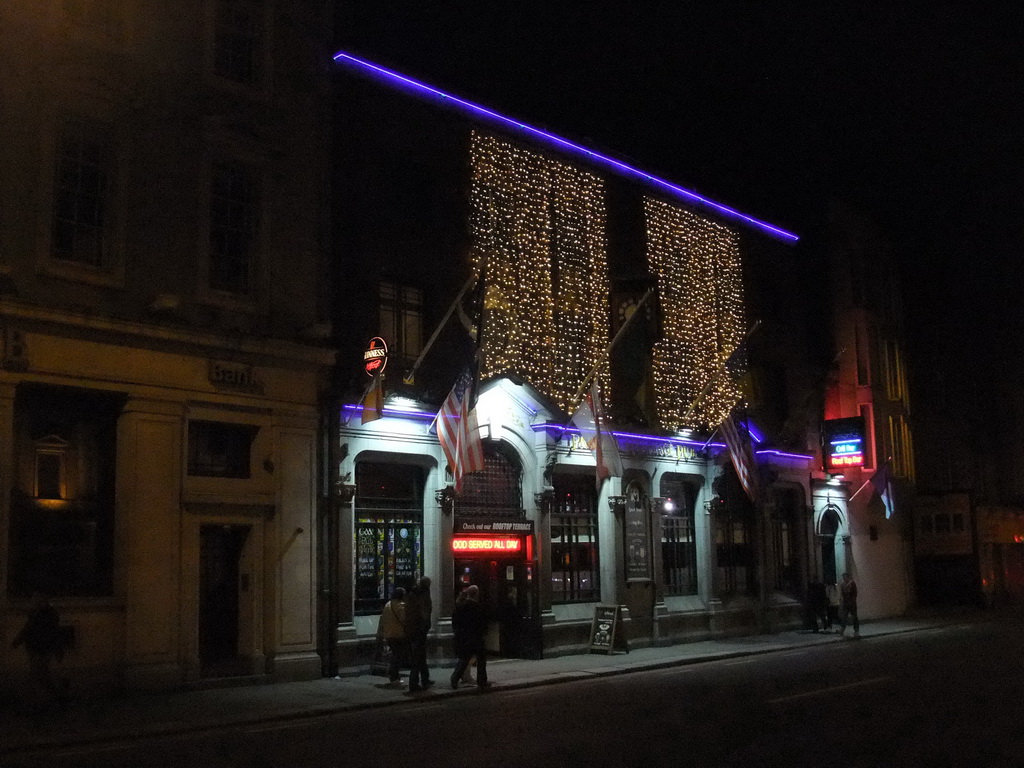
(700, 284)
(540, 226)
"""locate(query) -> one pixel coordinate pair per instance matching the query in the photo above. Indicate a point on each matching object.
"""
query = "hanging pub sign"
(843, 443)
(375, 358)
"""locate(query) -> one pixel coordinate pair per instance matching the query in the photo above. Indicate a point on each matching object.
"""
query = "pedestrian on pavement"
(392, 625)
(817, 604)
(848, 606)
(467, 675)
(418, 612)
(832, 612)
(42, 640)
(469, 622)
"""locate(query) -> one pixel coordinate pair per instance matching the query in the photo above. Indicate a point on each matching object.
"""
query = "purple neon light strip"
(397, 412)
(784, 455)
(617, 165)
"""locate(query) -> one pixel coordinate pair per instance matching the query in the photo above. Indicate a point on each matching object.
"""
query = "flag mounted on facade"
(373, 401)
(882, 483)
(590, 420)
(742, 454)
(458, 430)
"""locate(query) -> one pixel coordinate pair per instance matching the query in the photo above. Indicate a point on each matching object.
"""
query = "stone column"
(148, 539)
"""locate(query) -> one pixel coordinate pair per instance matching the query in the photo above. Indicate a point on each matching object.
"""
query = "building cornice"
(116, 331)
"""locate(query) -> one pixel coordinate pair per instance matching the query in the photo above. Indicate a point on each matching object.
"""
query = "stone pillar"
(6, 481)
(291, 568)
(148, 540)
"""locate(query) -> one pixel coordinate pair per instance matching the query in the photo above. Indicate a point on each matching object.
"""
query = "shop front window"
(574, 553)
(678, 539)
(388, 531)
(62, 495)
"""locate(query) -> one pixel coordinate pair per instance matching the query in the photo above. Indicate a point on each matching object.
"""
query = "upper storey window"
(234, 196)
(82, 198)
(239, 40)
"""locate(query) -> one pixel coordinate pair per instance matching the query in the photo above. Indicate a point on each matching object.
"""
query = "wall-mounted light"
(545, 499)
(445, 498)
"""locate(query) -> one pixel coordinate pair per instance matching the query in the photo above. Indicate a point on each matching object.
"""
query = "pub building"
(556, 247)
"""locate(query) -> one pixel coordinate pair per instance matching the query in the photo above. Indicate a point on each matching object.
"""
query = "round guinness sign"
(375, 358)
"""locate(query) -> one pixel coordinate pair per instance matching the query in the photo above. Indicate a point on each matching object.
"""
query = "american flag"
(742, 455)
(458, 431)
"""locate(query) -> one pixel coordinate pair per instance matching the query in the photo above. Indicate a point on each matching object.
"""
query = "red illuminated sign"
(486, 545)
(375, 358)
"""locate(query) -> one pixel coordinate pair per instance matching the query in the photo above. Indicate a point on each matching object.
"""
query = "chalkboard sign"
(637, 535)
(604, 629)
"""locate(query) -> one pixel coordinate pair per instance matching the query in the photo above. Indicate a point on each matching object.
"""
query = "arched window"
(497, 489)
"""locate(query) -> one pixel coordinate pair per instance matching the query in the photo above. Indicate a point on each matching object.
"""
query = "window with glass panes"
(401, 319)
(574, 552)
(82, 197)
(785, 521)
(238, 40)
(388, 531)
(678, 537)
(734, 543)
(233, 219)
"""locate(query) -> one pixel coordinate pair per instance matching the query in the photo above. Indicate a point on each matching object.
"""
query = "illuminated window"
(389, 531)
(238, 41)
(82, 197)
(401, 319)
(61, 524)
(678, 536)
(51, 453)
(574, 553)
(901, 446)
(234, 198)
(867, 413)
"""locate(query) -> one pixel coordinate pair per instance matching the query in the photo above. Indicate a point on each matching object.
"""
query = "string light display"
(700, 285)
(539, 224)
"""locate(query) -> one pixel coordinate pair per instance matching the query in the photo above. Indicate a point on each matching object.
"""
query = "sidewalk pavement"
(152, 714)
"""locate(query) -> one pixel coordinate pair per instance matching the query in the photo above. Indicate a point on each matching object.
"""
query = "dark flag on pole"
(737, 439)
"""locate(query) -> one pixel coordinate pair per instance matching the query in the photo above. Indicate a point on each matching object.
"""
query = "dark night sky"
(913, 116)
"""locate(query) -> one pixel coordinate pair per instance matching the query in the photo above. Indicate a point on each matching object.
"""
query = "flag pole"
(718, 373)
(411, 373)
(608, 350)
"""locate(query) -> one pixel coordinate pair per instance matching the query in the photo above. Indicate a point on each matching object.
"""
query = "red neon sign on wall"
(489, 544)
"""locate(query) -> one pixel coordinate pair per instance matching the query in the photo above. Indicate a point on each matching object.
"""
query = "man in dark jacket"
(418, 612)
(469, 623)
(42, 640)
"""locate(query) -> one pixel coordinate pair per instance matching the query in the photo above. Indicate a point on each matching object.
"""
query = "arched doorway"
(828, 528)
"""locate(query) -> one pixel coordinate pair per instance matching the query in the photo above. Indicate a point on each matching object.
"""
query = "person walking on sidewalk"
(42, 640)
(848, 606)
(469, 622)
(392, 625)
(832, 612)
(418, 612)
